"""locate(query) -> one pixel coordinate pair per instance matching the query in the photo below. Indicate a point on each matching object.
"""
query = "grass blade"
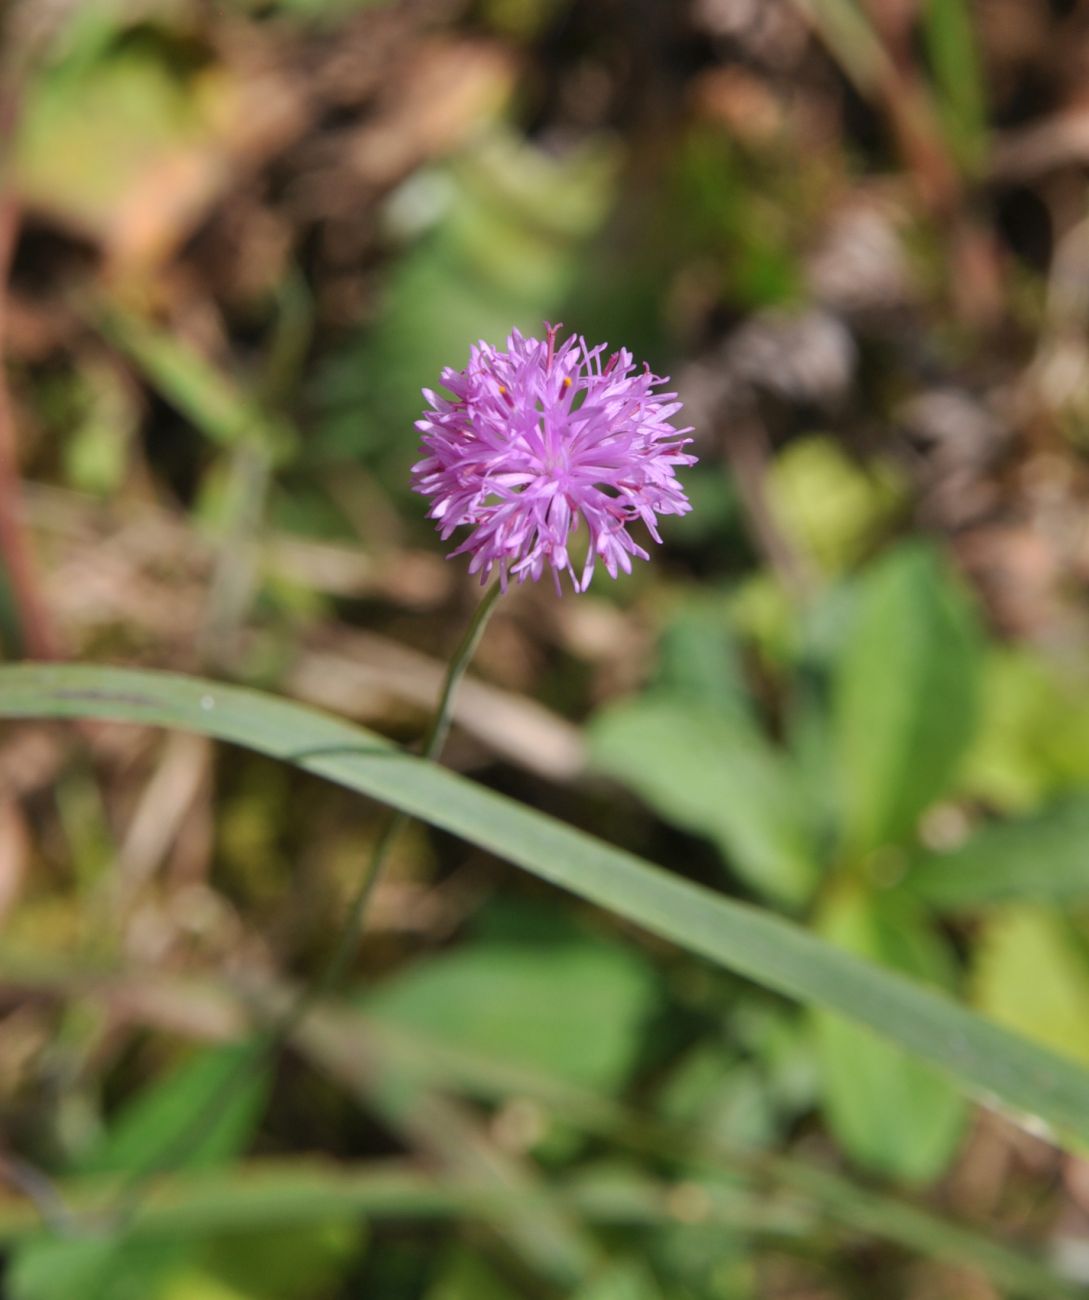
(990, 1062)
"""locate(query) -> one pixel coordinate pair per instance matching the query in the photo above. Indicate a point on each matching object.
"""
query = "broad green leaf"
(195, 1117)
(830, 506)
(906, 695)
(1031, 972)
(1043, 858)
(990, 1061)
(893, 1114)
(1033, 737)
(718, 777)
(577, 1009)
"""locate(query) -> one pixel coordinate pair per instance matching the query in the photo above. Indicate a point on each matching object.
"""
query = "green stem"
(433, 741)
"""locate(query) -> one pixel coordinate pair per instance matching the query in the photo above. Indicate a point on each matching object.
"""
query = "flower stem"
(433, 741)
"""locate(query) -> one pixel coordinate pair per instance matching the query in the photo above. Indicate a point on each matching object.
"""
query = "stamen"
(551, 331)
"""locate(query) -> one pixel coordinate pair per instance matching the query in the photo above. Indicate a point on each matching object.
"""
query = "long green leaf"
(989, 1061)
(224, 413)
(266, 1194)
(269, 1195)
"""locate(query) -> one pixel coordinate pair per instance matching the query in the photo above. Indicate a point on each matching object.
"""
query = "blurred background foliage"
(235, 241)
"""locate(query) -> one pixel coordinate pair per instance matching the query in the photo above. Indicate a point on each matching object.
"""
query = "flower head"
(535, 440)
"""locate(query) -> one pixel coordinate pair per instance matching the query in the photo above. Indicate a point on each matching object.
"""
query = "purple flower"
(535, 440)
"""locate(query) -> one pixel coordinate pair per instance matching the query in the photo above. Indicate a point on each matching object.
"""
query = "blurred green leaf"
(1031, 972)
(1033, 738)
(577, 1008)
(503, 253)
(893, 1114)
(699, 658)
(821, 631)
(523, 19)
(718, 777)
(468, 1277)
(832, 508)
(746, 219)
(98, 432)
(856, 1208)
(948, 27)
(906, 695)
(765, 613)
(1042, 858)
(303, 1191)
(749, 940)
(286, 1262)
(715, 520)
(846, 29)
(169, 1107)
(326, 11)
(112, 122)
(719, 1093)
(205, 1124)
(210, 399)
(780, 1040)
(628, 1281)
(194, 1284)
